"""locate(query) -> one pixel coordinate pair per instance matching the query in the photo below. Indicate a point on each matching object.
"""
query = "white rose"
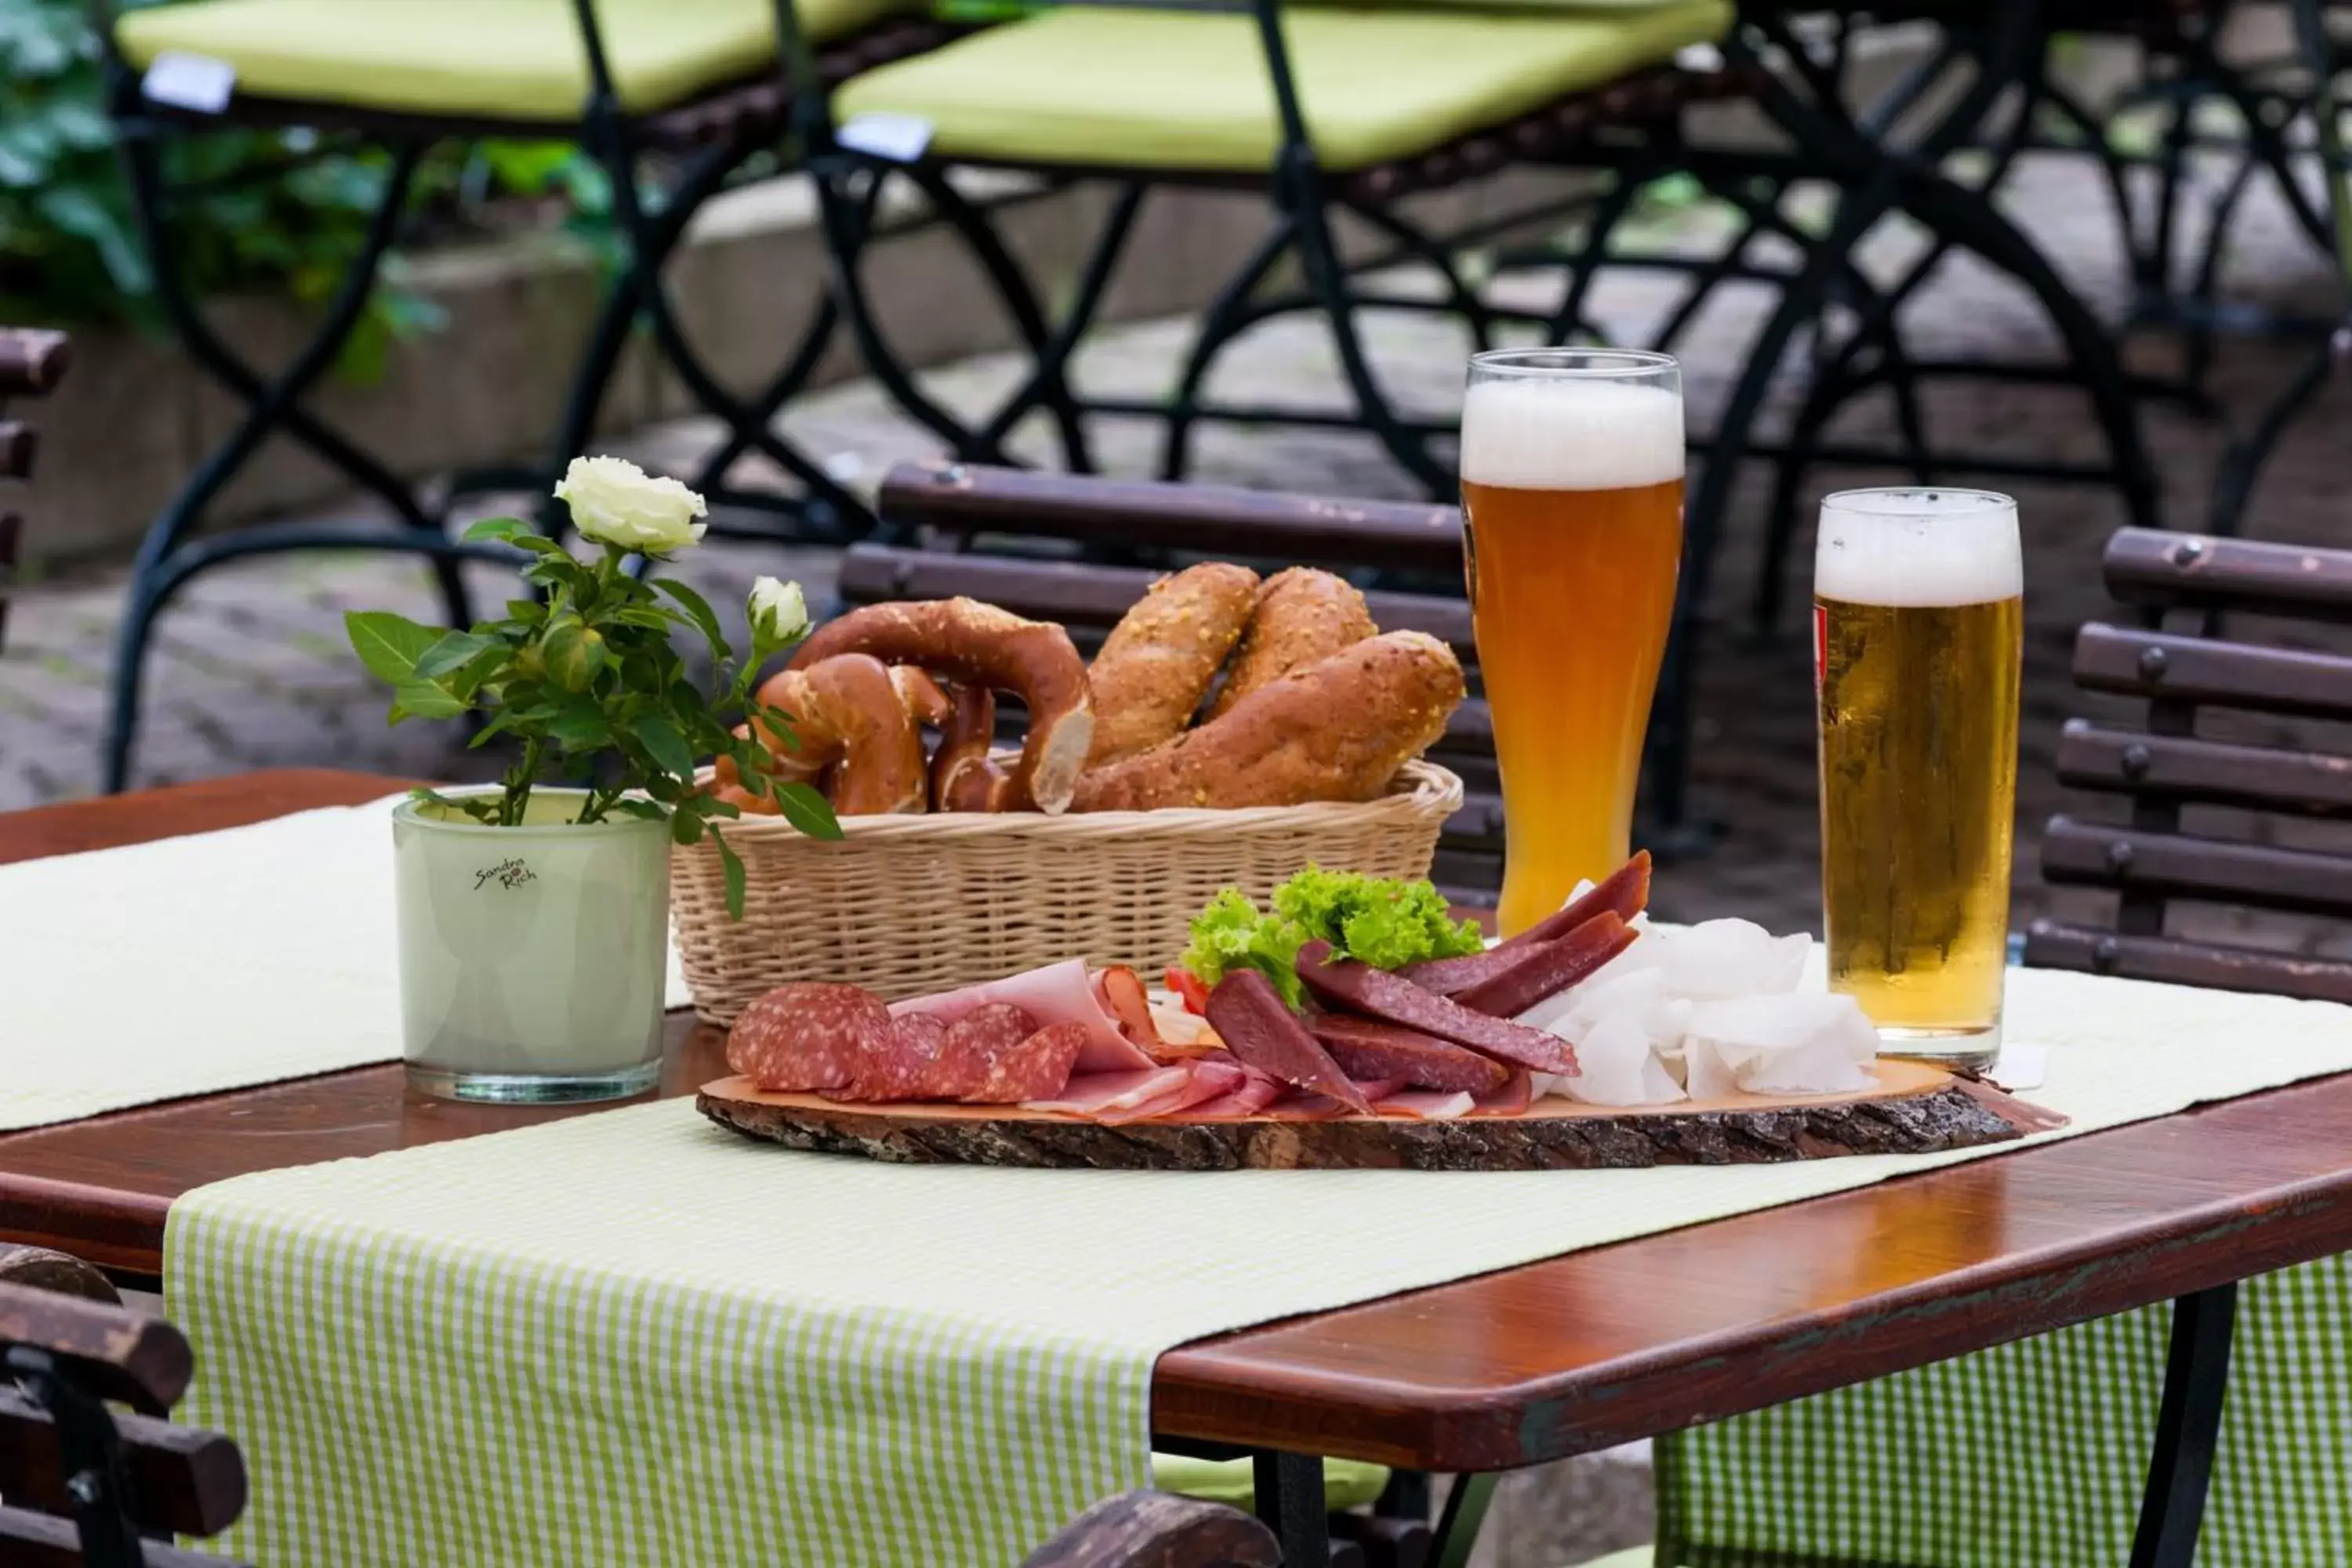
(613, 501)
(779, 612)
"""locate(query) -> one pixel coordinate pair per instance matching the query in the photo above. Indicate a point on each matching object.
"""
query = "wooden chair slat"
(2161, 666)
(2175, 865)
(2216, 772)
(37, 1541)
(11, 529)
(1215, 519)
(20, 444)
(32, 360)
(183, 1479)
(2148, 566)
(1158, 1529)
(2050, 944)
(113, 1353)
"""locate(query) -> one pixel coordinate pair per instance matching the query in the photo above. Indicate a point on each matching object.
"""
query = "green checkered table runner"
(633, 1338)
(2032, 1455)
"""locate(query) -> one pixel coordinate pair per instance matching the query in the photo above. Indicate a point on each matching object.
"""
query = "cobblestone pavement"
(250, 670)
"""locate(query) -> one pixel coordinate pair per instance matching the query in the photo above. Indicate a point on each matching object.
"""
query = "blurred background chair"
(670, 102)
(30, 364)
(2229, 816)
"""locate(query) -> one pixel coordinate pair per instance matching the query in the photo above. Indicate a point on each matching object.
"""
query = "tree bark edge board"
(1917, 1111)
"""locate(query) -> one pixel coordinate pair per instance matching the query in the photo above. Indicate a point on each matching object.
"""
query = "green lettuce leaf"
(1385, 923)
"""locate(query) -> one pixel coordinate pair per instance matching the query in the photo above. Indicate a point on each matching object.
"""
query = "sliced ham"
(1058, 994)
(1303, 1107)
(1511, 1099)
(1207, 1080)
(1351, 985)
(1093, 1095)
(1426, 1104)
(1257, 1092)
(1121, 992)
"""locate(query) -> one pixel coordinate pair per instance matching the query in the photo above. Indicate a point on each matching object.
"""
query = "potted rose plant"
(534, 914)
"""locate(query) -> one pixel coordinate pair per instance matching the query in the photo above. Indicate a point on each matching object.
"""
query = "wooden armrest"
(112, 1353)
(1158, 1529)
(31, 361)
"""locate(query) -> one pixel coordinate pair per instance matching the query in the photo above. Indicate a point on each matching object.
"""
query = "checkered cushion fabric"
(2035, 1453)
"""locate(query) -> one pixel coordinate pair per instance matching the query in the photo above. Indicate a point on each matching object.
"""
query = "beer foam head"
(1918, 548)
(1569, 433)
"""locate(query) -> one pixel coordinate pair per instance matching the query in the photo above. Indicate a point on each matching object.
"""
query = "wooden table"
(1513, 1368)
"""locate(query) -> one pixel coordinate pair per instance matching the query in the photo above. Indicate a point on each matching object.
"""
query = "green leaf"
(698, 610)
(574, 653)
(424, 700)
(643, 810)
(807, 810)
(454, 650)
(528, 612)
(499, 724)
(664, 743)
(580, 727)
(493, 528)
(732, 865)
(685, 826)
(387, 644)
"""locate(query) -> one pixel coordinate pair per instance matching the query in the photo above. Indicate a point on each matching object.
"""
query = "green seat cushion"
(1164, 89)
(496, 60)
(1346, 1483)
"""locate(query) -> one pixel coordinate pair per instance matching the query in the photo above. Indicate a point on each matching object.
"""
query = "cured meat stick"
(1552, 967)
(1258, 1026)
(1626, 890)
(1369, 1048)
(1358, 987)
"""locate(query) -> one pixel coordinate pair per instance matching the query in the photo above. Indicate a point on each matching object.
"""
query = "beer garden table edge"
(2178, 1207)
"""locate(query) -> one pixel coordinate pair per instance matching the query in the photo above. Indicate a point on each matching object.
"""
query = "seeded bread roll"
(1338, 729)
(1302, 616)
(1156, 663)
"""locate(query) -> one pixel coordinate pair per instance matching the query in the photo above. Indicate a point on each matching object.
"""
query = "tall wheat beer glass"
(1572, 526)
(1919, 622)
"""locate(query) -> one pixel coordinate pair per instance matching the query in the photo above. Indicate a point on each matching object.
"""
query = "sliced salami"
(972, 1046)
(1259, 1027)
(1038, 1067)
(1552, 967)
(1368, 1047)
(907, 1067)
(1359, 987)
(809, 1036)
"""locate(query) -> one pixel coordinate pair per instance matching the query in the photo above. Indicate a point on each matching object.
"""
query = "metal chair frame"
(699, 145)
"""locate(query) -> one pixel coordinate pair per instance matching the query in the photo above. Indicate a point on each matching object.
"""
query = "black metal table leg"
(1457, 1527)
(2188, 1424)
(1290, 1503)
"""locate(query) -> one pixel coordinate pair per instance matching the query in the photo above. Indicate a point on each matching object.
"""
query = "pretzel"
(851, 730)
(964, 776)
(1302, 616)
(1338, 729)
(979, 645)
(1155, 666)
(925, 700)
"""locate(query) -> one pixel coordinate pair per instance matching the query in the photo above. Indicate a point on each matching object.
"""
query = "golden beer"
(1918, 625)
(1571, 503)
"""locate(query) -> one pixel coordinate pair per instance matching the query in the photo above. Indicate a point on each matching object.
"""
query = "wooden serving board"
(1916, 1109)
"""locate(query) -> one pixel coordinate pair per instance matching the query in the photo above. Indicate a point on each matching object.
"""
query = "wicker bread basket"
(905, 905)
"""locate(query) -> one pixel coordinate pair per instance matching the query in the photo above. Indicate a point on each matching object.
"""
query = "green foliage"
(276, 210)
(587, 682)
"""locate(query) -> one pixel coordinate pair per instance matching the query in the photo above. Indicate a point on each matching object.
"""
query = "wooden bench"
(1033, 543)
(83, 1484)
(2167, 765)
(30, 364)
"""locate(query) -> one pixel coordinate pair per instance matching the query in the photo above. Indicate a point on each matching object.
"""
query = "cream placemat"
(633, 1338)
(191, 965)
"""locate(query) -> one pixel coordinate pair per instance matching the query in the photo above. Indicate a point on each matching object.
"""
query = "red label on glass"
(1821, 644)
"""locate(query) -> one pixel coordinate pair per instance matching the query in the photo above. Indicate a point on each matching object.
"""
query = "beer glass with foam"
(1572, 531)
(1918, 627)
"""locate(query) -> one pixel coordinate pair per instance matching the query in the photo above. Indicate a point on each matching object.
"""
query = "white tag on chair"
(197, 83)
(900, 138)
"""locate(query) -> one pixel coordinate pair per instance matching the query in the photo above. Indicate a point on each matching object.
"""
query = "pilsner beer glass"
(1572, 534)
(1918, 629)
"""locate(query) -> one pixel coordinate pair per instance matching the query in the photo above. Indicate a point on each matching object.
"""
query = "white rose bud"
(613, 501)
(779, 613)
